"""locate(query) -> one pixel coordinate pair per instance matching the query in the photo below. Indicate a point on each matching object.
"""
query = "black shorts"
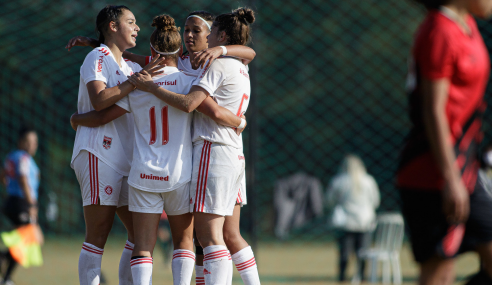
(431, 234)
(17, 210)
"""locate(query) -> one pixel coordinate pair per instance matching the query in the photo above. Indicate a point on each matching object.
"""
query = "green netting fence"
(328, 79)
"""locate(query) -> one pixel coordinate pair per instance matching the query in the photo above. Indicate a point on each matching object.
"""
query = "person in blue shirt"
(21, 177)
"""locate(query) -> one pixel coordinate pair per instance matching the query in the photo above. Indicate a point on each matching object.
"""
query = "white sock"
(229, 267)
(90, 264)
(199, 279)
(125, 271)
(182, 266)
(216, 262)
(246, 265)
(142, 270)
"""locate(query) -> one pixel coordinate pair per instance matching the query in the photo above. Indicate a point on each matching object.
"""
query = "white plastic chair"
(386, 248)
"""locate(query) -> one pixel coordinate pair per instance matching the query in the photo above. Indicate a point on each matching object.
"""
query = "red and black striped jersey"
(443, 50)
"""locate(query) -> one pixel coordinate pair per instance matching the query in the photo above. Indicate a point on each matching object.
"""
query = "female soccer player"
(101, 156)
(443, 205)
(197, 28)
(218, 161)
(160, 174)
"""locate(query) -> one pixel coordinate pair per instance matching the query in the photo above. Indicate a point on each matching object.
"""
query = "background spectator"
(354, 196)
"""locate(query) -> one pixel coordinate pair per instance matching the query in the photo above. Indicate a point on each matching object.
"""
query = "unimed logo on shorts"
(152, 177)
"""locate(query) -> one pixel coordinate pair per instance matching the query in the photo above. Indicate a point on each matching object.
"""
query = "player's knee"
(210, 239)
(232, 237)
(97, 239)
(183, 242)
(98, 232)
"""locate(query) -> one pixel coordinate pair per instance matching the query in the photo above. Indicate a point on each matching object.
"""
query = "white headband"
(165, 53)
(206, 23)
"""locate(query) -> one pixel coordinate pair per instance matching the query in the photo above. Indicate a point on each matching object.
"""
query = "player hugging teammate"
(202, 172)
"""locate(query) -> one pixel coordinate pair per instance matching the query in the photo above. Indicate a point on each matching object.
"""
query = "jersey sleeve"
(435, 56)
(125, 102)
(212, 78)
(95, 68)
(23, 166)
(148, 59)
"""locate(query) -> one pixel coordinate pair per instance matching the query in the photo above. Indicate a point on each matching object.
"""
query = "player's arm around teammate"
(186, 103)
(199, 57)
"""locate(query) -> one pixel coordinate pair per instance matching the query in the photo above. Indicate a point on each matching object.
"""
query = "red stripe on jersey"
(148, 59)
(470, 134)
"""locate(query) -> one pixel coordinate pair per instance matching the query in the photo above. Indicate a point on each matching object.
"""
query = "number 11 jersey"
(162, 154)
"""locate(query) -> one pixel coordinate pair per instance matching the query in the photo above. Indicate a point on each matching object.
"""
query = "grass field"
(279, 263)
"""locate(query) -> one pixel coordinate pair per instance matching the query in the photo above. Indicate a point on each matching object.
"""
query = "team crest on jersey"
(107, 142)
(108, 189)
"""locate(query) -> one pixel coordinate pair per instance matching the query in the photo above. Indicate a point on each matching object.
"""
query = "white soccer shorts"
(99, 183)
(217, 174)
(241, 195)
(176, 202)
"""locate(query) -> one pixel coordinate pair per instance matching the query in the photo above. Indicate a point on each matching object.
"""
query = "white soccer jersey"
(113, 142)
(227, 81)
(162, 157)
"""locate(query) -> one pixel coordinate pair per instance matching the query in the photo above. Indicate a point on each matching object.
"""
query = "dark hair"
(24, 131)
(108, 14)
(204, 15)
(432, 4)
(236, 25)
(166, 37)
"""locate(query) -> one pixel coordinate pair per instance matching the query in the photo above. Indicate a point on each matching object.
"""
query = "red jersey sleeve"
(435, 55)
(148, 59)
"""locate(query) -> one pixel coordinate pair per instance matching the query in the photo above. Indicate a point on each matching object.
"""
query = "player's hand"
(143, 81)
(205, 57)
(74, 126)
(33, 214)
(154, 66)
(80, 41)
(456, 202)
(239, 131)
